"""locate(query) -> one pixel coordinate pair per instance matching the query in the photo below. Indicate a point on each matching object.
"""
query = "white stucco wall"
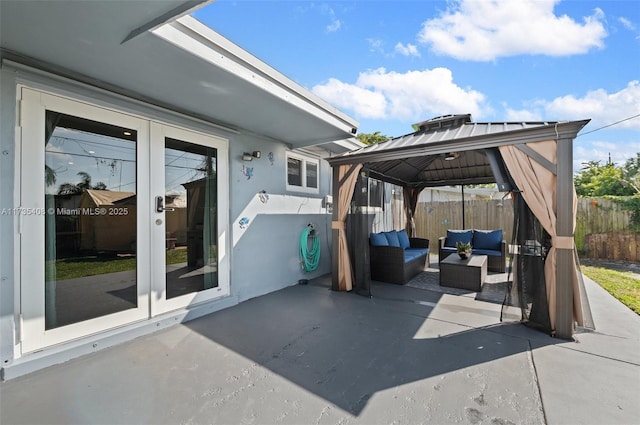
(264, 254)
(8, 199)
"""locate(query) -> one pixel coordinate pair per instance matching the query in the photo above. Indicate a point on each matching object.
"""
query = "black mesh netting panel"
(526, 288)
(358, 226)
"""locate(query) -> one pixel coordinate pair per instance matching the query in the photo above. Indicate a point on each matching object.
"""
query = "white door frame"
(150, 271)
(159, 303)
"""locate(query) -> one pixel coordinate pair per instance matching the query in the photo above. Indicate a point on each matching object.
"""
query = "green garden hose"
(310, 258)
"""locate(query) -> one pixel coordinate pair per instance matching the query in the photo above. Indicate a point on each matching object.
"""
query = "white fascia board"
(331, 148)
(350, 144)
(177, 12)
(336, 146)
(193, 36)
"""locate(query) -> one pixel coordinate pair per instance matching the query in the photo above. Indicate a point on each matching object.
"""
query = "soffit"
(85, 40)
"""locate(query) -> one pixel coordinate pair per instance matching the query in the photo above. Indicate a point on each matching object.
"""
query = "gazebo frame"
(442, 136)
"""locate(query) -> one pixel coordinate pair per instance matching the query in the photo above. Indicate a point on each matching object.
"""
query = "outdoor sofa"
(483, 242)
(395, 257)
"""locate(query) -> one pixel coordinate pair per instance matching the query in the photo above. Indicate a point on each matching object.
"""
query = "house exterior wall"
(263, 251)
(9, 199)
(266, 250)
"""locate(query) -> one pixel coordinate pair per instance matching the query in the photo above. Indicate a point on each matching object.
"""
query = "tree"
(49, 176)
(372, 138)
(595, 179)
(622, 183)
(81, 186)
(631, 172)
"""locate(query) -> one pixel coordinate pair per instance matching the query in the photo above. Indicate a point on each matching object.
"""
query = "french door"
(121, 219)
(189, 185)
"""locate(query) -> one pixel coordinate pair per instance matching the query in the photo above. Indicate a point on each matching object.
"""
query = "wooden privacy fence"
(613, 246)
(602, 226)
(434, 218)
(599, 215)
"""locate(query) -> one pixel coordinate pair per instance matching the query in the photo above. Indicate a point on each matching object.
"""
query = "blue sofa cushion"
(487, 239)
(413, 253)
(408, 256)
(403, 238)
(378, 239)
(490, 252)
(474, 251)
(392, 238)
(417, 251)
(454, 236)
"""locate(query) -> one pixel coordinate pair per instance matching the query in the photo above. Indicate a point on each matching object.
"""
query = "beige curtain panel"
(347, 177)
(411, 196)
(538, 186)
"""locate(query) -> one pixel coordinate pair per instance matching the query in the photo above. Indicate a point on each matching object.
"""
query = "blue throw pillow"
(454, 236)
(392, 238)
(403, 238)
(378, 239)
(487, 239)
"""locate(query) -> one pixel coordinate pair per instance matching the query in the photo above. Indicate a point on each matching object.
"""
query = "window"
(302, 173)
(369, 192)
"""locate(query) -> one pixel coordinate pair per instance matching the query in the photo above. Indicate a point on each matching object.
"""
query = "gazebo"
(531, 160)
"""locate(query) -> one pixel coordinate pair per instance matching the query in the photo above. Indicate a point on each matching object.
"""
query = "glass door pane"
(91, 219)
(191, 217)
(189, 243)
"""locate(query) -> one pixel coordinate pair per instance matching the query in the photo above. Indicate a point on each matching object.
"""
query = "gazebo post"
(564, 228)
(464, 224)
(335, 233)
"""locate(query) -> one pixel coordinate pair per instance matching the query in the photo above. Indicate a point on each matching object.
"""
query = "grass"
(71, 268)
(624, 286)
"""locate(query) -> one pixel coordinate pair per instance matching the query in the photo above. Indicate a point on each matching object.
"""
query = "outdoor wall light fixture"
(246, 156)
(451, 156)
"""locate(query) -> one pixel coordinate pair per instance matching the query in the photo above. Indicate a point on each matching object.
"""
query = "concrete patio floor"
(307, 355)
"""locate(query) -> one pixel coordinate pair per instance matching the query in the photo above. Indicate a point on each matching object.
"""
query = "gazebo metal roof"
(450, 150)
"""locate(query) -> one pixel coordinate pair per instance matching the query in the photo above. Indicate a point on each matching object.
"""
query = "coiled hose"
(309, 258)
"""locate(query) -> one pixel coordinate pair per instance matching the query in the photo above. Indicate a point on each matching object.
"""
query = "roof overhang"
(154, 52)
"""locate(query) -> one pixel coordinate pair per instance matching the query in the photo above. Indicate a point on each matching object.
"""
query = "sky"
(390, 64)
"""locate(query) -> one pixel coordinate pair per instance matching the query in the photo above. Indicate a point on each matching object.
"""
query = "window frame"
(304, 160)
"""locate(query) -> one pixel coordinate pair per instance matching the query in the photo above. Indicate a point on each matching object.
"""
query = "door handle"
(160, 205)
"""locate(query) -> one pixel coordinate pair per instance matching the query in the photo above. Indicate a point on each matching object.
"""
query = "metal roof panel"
(418, 159)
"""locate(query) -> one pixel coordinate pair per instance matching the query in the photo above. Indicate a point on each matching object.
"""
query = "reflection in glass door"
(128, 219)
(83, 263)
(191, 256)
(90, 224)
(189, 183)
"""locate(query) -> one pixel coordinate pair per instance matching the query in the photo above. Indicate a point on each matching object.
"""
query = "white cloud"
(408, 50)
(334, 25)
(627, 23)
(522, 115)
(375, 45)
(414, 95)
(57, 156)
(603, 108)
(483, 30)
(583, 152)
(365, 103)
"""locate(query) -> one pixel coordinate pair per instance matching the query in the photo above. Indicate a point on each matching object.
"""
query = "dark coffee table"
(467, 274)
